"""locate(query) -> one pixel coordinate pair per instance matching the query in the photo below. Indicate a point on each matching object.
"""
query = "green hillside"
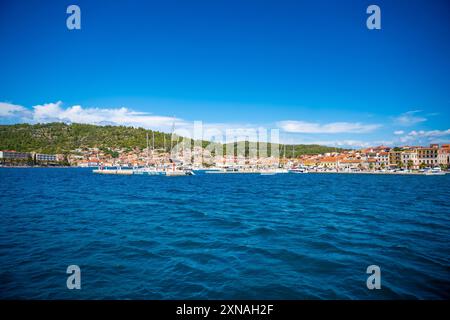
(63, 138)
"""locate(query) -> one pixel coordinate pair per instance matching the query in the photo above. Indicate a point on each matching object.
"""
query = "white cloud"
(399, 132)
(351, 144)
(54, 112)
(410, 118)
(12, 110)
(431, 133)
(421, 135)
(334, 127)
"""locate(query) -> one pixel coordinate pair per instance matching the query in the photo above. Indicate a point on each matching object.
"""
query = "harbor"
(145, 171)
(381, 160)
(179, 172)
(428, 161)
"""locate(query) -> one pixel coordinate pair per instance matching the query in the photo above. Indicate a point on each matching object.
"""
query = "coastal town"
(380, 159)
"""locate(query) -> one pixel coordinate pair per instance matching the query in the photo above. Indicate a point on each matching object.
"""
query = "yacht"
(434, 172)
(298, 170)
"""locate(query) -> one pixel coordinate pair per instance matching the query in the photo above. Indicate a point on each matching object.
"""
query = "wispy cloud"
(350, 144)
(431, 133)
(429, 136)
(410, 118)
(399, 132)
(334, 127)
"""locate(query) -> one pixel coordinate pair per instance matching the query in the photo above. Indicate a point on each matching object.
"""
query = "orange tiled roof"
(328, 159)
(351, 161)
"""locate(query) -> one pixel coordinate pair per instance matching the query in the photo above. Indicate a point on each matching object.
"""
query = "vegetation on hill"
(63, 138)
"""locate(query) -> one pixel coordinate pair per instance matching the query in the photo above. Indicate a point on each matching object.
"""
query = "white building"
(410, 157)
(45, 157)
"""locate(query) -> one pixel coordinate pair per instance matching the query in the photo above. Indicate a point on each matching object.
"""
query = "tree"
(410, 164)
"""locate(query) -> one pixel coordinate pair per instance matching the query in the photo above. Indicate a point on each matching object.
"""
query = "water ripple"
(223, 236)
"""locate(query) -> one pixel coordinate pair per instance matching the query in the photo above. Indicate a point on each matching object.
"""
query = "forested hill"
(63, 138)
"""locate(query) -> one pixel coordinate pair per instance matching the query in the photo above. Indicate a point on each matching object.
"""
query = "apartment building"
(428, 156)
(45, 157)
(410, 159)
(395, 157)
(13, 155)
(382, 159)
(444, 155)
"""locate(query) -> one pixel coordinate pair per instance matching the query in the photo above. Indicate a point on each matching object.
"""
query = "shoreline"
(247, 172)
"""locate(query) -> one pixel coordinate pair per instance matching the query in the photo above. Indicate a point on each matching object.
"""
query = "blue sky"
(311, 69)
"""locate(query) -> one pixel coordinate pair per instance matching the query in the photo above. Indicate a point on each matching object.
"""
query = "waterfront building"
(350, 165)
(409, 159)
(13, 155)
(45, 157)
(382, 160)
(395, 158)
(444, 155)
(428, 156)
(329, 162)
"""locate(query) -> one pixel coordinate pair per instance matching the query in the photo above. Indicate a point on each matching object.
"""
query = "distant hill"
(63, 138)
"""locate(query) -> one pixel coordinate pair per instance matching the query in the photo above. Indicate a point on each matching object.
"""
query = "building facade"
(45, 157)
(409, 159)
(428, 156)
(13, 155)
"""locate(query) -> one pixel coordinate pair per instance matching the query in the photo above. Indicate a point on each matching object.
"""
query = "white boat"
(178, 173)
(113, 171)
(298, 170)
(434, 172)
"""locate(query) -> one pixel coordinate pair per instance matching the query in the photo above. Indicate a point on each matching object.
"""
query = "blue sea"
(213, 236)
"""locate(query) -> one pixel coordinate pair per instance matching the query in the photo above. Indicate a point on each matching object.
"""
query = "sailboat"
(176, 171)
(299, 169)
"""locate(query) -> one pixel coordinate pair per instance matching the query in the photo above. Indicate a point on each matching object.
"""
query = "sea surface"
(213, 236)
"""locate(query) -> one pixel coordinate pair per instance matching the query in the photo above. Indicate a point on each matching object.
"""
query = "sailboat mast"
(148, 150)
(171, 134)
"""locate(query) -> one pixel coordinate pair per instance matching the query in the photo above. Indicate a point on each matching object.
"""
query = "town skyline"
(109, 147)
